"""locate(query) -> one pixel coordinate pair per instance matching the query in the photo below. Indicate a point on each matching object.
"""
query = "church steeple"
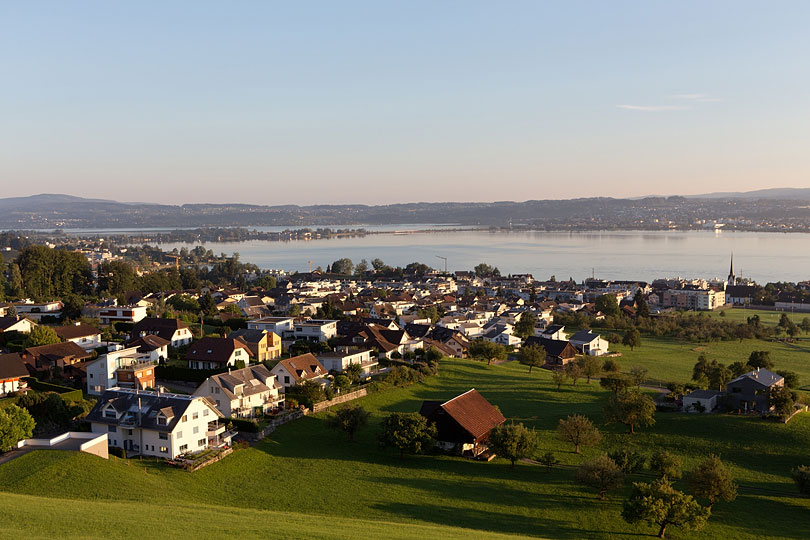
(732, 279)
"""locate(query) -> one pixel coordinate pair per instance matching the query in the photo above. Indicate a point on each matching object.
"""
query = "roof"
(762, 376)
(8, 322)
(251, 378)
(585, 336)
(164, 328)
(129, 403)
(302, 367)
(553, 328)
(74, 331)
(248, 335)
(473, 413)
(12, 367)
(149, 343)
(67, 349)
(213, 349)
(553, 347)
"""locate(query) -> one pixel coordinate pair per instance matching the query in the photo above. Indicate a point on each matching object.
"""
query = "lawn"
(304, 468)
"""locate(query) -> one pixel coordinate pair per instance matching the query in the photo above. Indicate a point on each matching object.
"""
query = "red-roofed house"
(463, 423)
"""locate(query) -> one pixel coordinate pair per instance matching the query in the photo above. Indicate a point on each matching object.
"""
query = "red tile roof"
(473, 413)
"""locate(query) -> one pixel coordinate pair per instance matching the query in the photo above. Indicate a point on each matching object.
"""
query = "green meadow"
(305, 481)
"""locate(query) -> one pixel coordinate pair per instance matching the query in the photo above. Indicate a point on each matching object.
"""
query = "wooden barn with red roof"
(463, 423)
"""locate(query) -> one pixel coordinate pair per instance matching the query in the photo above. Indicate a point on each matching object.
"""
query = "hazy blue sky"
(374, 102)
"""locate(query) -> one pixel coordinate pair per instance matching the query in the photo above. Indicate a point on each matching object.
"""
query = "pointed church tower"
(732, 279)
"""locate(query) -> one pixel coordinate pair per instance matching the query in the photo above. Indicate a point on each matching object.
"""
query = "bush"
(247, 425)
(801, 475)
(403, 376)
(117, 451)
(629, 461)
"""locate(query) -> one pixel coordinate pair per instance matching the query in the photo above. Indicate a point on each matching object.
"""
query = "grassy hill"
(309, 476)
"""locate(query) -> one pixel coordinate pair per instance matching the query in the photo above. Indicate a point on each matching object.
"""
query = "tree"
(760, 359)
(573, 371)
(15, 424)
(712, 480)
(532, 356)
(482, 349)
(610, 365)
(642, 309)
(513, 441)
(737, 369)
(801, 475)
(618, 383)
(666, 464)
(525, 326)
(294, 311)
(629, 461)
(348, 419)
(660, 504)
(208, 305)
(354, 372)
(719, 375)
(407, 432)
(433, 355)
(601, 473)
(41, 335)
(782, 400)
(361, 268)
(16, 288)
(631, 408)
(791, 378)
(591, 367)
(784, 321)
(267, 282)
(306, 393)
(638, 375)
(343, 266)
(558, 377)
(341, 382)
(579, 431)
(377, 264)
(700, 371)
(484, 271)
(549, 460)
(12, 311)
(607, 304)
(805, 325)
(632, 338)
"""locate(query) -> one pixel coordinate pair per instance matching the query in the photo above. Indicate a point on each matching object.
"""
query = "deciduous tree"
(407, 432)
(660, 504)
(513, 441)
(579, 431)
(632, 338)
(666, 464)
(601, 473)
(631, 408)
(349, 419)
(15, 424)
(712, 480)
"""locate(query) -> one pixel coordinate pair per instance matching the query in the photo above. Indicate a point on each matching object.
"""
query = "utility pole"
(310, 266)
(445, 262)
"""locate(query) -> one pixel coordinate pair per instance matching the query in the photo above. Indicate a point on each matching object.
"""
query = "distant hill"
(773, 193)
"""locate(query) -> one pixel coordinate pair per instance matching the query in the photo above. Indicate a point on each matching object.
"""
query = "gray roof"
(762, 376)
(704, 394)
(126, 403)
(251, 378)
(584, 336)
(248, 335)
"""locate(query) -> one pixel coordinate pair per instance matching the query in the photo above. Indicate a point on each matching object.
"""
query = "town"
(123, 355)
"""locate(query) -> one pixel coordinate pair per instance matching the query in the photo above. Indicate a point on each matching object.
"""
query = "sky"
(323, 102)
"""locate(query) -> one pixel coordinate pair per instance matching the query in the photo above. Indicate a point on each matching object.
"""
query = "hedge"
(67, 393)
(176, 373)
(243, 424)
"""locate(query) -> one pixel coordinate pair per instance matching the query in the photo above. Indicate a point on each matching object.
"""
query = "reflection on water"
(612, 254)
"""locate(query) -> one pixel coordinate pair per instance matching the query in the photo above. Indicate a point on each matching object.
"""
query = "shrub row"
(67, 393)
(243, 424)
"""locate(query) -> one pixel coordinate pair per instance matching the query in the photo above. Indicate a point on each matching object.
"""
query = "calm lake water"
(612, 255)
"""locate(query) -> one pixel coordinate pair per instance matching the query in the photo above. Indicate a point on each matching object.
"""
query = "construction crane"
(176, 260)
(310, 266)
(445, 262)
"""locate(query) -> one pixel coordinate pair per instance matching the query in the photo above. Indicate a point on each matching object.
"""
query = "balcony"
(215, 429)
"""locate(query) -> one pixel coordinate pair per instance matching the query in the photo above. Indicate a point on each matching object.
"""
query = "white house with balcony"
(281, 326)
(315, 330)
(248, 392)
(157, 424)
(124, 367)
(339, 361)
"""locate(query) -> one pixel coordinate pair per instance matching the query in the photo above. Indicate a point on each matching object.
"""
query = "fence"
(323, 405)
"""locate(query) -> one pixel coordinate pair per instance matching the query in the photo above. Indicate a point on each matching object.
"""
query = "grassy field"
(305, 469)
(766, 317)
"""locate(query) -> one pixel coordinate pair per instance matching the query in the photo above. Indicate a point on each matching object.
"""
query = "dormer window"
(110, 413)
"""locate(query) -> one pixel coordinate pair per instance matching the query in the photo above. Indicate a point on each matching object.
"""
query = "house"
(750, 391)
(43, 359)
(37, 310)
(157, 424)
(281, 326)
(740, 295)
(463, 424)
(217, 353)
(155, 346)
(127, 368)
(553, 331)
(380, 338)
(12, 370)
(291, 371)
(85, 336)
(263, 345)
(589, 343)
(558, 352)
(113, 314)
(16, 324)
(243, 393)
(315, 330)
(339, 361)
(175, 331)
(701, 400)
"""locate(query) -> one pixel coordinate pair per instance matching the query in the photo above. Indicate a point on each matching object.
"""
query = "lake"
(638, 255)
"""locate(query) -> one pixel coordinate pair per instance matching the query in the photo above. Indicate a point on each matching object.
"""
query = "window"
(185, 417)
(286, 379)
(195, 416)
(179, 434)
(217, 403)
(164, 449)
(196, 429)
(183, 447)
(110, 413)
(91, 375)
(112, 429)
(205, 412)
(161, 420)
(148, 372)
(163, 436)
(201, 442)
